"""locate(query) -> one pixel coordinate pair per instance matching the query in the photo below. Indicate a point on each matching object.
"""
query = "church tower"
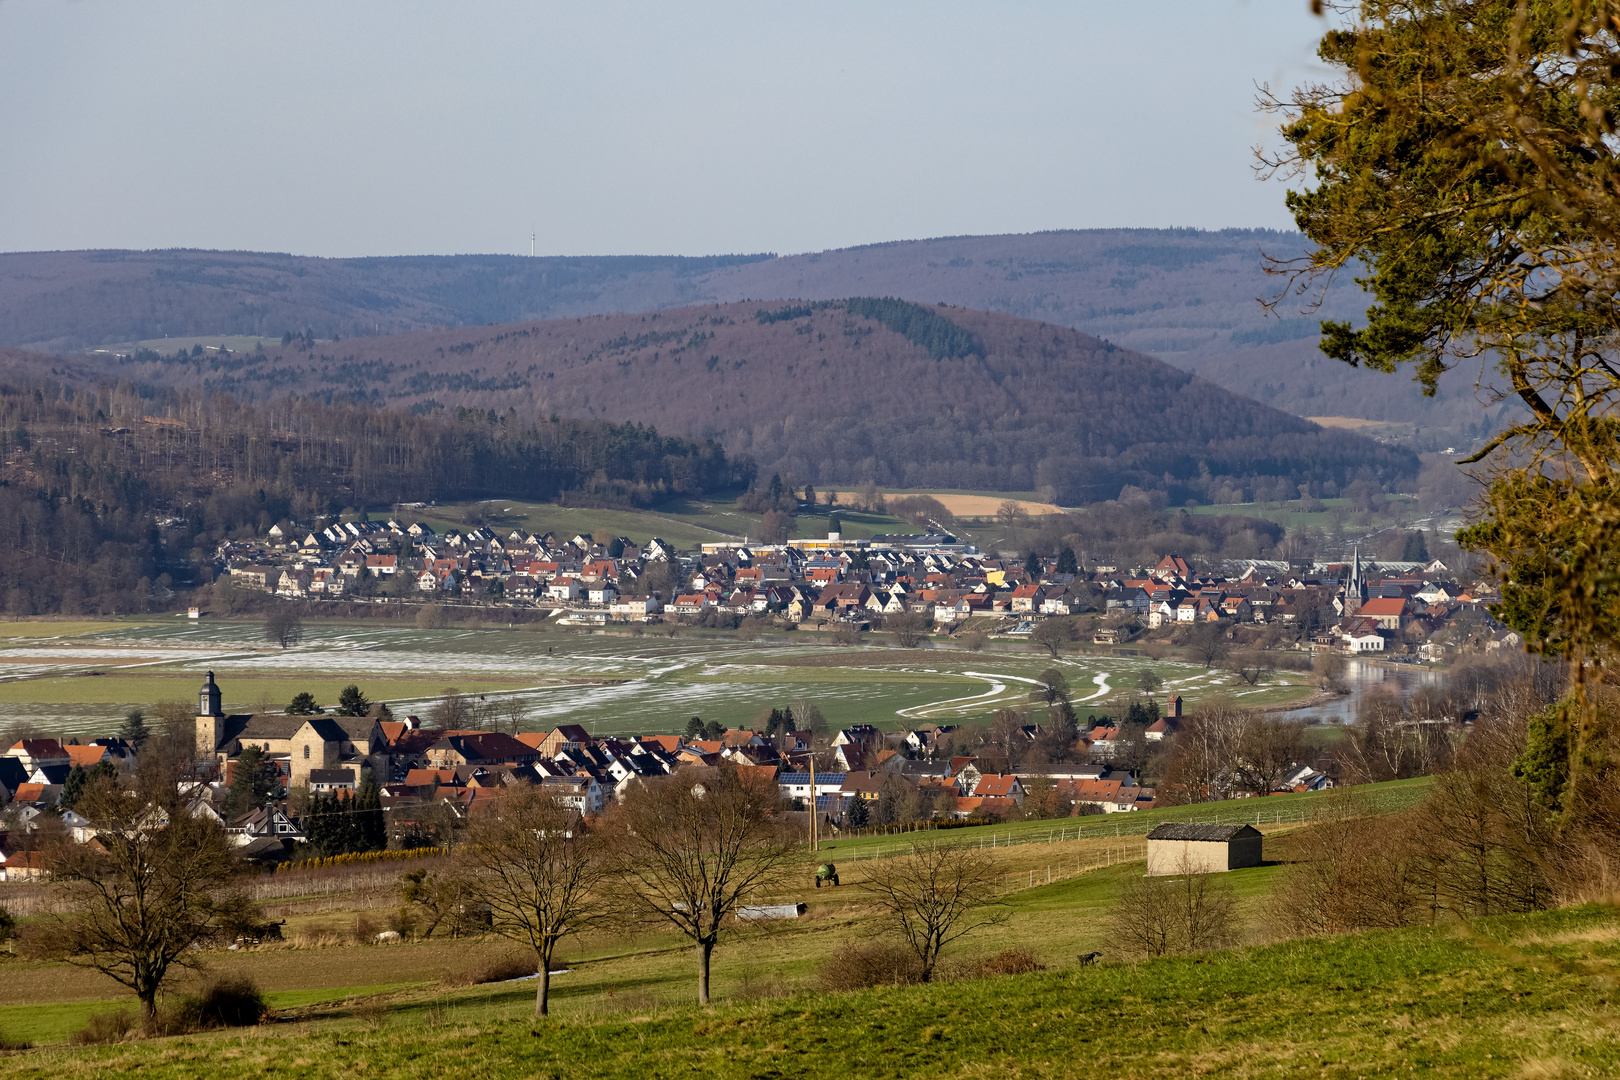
(209, 716)
(1355, 590)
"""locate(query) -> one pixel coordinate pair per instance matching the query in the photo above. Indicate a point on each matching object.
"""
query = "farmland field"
(685, 523)
(1514, 996)
(82, 681)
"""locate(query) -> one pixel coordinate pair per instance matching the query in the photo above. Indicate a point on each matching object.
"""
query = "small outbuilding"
(1201, 849)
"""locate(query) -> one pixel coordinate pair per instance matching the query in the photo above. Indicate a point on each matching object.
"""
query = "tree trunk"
(542, 993)
(705, 949)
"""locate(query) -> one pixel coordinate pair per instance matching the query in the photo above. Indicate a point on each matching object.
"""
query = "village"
(915, 584)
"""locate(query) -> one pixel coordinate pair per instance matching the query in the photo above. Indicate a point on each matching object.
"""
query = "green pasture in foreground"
(57, 1022)
(1059, 897)
(1518, 996)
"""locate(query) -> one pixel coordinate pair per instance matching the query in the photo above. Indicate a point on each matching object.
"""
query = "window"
(306, 751)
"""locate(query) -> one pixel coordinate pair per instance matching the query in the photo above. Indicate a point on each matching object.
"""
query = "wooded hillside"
(1186, 296)
(835, 392)
(107, 497)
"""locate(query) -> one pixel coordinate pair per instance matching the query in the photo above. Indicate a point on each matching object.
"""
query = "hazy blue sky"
(395, 128)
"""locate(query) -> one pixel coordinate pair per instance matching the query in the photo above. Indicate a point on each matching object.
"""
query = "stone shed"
(1204, 849)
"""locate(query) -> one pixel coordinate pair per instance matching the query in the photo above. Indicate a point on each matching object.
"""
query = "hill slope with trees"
(845, 392)
(1186, 296)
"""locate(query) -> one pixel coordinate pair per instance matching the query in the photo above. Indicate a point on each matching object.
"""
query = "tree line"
(111, 497)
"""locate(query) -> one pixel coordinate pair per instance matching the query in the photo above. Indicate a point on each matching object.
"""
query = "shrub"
(861, 965)
(105, 1027)
(8, 924)
(232, 1001)
(1007, 962)
(500, 969)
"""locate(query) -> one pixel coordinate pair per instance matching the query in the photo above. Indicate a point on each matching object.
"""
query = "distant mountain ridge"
(836, 392)
(1187, 296)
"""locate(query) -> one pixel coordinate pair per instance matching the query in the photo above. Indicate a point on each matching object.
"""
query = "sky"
(610, 128)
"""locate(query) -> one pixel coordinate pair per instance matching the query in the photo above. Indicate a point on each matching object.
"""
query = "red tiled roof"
(85, 756)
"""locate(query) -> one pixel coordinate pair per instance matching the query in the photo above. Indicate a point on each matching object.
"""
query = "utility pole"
(815, 814)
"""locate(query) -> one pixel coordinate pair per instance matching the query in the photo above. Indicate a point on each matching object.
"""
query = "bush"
(230, 1001)
(1007, 962)
(861, 965)
(8, 924)
(500, 969)
(105, 1027)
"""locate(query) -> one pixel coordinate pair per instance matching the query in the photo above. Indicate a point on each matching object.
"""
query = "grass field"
(685, 523)
(612, 683)
(1522, 996)
(1518, 996)
(1401, 511)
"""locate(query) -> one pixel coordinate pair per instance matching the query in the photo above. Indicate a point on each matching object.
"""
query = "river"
(1368, 677)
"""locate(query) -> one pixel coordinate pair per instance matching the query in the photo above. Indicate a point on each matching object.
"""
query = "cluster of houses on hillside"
(429, 776)
(1359, 606)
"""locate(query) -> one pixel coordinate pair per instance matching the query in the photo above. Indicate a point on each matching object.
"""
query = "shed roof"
(1214, 834)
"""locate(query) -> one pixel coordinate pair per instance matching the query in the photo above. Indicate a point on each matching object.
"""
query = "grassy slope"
(1291, 516)
(1516, 996)
(1059, 895)
(1298, 808)
(686, 523)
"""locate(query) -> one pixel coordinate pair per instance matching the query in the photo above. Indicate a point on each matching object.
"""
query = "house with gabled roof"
(33, 753)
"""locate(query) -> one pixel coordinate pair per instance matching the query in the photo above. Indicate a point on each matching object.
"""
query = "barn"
(1201, 849)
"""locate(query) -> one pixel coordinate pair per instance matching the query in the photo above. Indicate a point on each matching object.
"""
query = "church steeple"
(209, 715)
(208, 699)
(1355, 590)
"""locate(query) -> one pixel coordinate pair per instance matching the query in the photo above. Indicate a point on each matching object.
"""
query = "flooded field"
(82, 682)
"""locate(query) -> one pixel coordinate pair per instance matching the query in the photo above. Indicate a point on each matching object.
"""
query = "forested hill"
(109, 495)
(1186, 296)
(836, 392)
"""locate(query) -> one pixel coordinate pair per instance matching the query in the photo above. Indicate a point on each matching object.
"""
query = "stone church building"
(306, 743)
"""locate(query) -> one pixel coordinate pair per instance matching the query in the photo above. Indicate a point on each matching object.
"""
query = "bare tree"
(1203, 765)
(1208, 643)
(513, 711)
(533, 861)
(692, 846)
(1269, 748)
(1252, 667)
(452, 712)
(935, 895)
(1053, 686)
(1053, 634)
(283, 627)
(147, 893)
(1327, 668)
(1186, 912)
(908, 627)
(1007, 739)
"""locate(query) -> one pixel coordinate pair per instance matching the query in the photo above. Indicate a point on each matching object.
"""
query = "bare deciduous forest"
(953, 398)
(108, 497)
(1186, 296)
